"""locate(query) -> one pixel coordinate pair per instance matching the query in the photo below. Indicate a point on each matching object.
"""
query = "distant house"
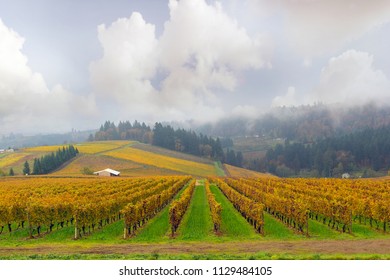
(346, 176)
(2, 151)
(107, 172)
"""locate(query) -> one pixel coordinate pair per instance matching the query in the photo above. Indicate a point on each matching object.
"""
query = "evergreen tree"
(11, 172)
(51, 162)
(26, 168)
(37, 167)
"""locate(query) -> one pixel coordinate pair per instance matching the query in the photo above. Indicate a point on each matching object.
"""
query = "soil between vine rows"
(343, 247)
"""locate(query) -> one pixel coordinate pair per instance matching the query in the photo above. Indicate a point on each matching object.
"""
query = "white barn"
(107, 172)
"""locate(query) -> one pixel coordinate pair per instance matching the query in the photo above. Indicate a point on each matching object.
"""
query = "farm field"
(129, 157)
(85, 218)
(162, 161)
(234, 171)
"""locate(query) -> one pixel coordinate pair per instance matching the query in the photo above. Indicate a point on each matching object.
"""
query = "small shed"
(345, 176)
(107, 172)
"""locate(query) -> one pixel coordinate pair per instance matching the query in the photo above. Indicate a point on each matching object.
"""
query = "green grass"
(196, 226)
(275, 229)
(365, 231)
(196, 223)
(319, 230)
(108, 234)
(158, 228)
(218, 169)
(233, 225)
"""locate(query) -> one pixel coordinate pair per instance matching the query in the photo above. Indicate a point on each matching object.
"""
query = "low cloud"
(247, 111)
(351, 78)
(289, 99)
(348, 79)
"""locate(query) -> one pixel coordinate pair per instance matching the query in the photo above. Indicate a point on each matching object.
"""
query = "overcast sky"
(74, 64)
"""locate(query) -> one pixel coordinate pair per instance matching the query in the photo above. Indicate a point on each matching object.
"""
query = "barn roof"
(109, 170)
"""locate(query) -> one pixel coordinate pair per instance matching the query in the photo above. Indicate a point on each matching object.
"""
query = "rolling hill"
(131, 158)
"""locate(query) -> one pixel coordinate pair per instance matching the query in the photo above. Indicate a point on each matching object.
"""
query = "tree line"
(124, 131)
(165, 136)
(49, 163)
(368, 149)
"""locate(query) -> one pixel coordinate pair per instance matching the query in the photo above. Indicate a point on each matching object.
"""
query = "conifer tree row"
(51, 162)
(165, 136)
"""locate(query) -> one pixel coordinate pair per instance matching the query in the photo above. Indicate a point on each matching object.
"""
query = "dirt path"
(346, 247)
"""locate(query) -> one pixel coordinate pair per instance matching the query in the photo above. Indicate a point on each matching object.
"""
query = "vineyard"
(162, 161)
(129, 157)
(85, 204)
(334, 202)
(180, 208)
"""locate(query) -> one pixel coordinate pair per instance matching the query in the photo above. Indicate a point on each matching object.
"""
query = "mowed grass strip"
(233, 225)
(161, 161)
(320, 230)
(20, 236)
(275, 229)
(219, 169)
(158, 228)
(197, 223)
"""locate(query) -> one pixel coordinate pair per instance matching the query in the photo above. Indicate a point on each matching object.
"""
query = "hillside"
(234, 171)
(129, 157)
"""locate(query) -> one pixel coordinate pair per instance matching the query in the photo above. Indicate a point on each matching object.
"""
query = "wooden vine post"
(76, 230)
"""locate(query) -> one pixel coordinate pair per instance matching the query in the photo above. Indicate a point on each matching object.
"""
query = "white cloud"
(321, 26)
(289, 99)
(129, 60)
(247, 111)
(200, 51)
(26, 103)
(351, 78)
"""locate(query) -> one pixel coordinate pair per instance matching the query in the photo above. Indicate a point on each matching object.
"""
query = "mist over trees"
(306, 123)
(124, 131)
(315, 141)
(331, 157)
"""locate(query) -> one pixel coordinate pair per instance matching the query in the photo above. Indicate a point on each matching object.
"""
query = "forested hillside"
(165, 136)
(319, 141)
(303, 123)
(367, 151)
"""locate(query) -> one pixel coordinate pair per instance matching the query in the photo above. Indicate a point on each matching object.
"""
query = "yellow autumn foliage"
(161, 161)
(84, 148)
(11, 159)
